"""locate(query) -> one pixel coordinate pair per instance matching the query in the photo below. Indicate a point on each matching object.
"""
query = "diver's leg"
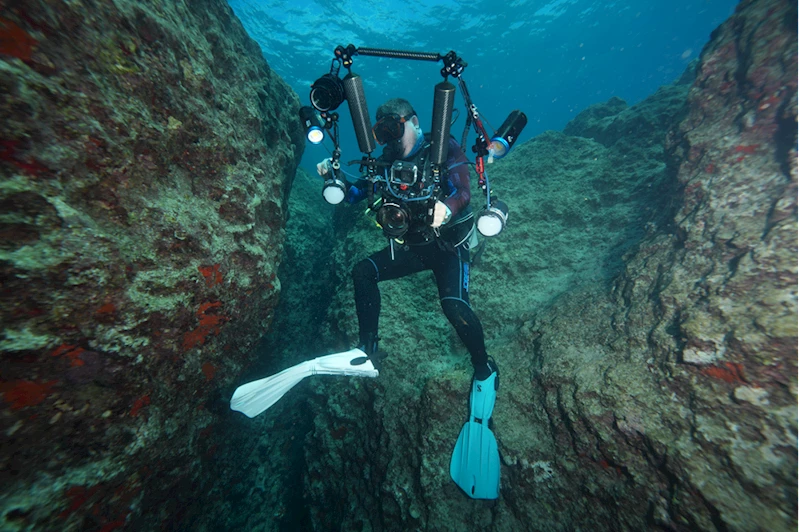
(380, 266)
(475, 463)
(452, 276)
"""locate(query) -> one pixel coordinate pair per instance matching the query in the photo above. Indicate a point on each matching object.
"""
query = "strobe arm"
(399, 54)
(453, 65)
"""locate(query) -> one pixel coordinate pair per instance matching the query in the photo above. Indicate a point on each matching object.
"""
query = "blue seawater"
(549, 58)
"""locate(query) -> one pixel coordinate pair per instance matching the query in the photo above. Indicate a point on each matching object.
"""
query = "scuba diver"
(441, 246)
(419, 191)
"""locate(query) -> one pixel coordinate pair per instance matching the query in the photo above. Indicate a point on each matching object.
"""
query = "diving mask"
(390, 127)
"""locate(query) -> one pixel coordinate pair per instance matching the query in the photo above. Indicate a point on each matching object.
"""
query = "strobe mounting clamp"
(345, 54)
(453, 65)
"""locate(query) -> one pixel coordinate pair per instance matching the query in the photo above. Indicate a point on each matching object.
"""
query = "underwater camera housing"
(406, 196)
(405, 190)
(407, 182)
(395, 218)
(403, 174)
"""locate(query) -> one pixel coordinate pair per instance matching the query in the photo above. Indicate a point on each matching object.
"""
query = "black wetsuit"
(447, 255)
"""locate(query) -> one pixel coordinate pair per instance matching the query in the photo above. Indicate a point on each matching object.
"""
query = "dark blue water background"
(551, 59)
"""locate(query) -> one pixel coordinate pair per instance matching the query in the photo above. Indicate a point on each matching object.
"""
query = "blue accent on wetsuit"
(451, 271)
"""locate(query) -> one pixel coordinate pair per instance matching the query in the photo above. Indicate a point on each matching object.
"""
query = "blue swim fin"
(475, 461)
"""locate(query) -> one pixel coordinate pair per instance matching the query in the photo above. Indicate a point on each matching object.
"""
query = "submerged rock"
(147, 153)
(641, 304)
(267, 452)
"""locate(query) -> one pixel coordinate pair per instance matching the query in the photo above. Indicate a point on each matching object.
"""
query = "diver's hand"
(323, 167)
(441, 214)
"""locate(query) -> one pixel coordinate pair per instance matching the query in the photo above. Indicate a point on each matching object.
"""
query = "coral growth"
(212, 274)
(209, 324)
(14, 41)
(24, 393)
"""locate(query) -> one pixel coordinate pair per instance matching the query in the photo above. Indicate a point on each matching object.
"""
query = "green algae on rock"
(146, 160)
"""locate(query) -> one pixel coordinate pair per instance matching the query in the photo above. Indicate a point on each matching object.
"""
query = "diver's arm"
(356, 192)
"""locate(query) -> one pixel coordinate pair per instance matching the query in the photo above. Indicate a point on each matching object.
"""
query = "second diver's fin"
(254, 397)
(475, 460)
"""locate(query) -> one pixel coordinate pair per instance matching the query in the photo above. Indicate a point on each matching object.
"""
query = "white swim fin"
(255, 397)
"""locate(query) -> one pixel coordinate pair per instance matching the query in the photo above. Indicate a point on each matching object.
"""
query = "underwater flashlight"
(394, 218)
(313, 124)
(316, 135)
(327, 93)
(492, 220)
(506, 136)
(334, 190)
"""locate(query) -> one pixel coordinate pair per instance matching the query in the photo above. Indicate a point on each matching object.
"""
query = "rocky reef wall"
(641, 305)
(146, 154)
(266, 454)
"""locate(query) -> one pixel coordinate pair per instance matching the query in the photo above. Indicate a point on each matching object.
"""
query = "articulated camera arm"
(453, 65)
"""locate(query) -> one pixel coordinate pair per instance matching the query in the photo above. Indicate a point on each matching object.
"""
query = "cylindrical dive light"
(443, 102)
(506, 136)
(491, 221)
(356, 99)
(313, 124)
(334, 190)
